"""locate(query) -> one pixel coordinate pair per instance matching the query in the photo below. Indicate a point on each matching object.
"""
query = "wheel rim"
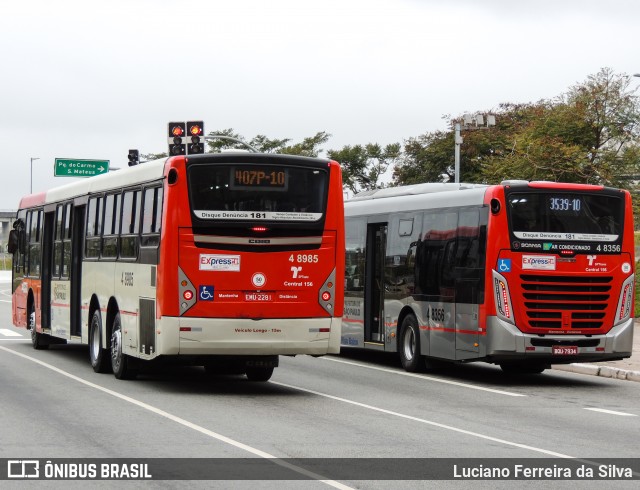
(116, 349)
(409, 344)
(32, 325)
(95, 343)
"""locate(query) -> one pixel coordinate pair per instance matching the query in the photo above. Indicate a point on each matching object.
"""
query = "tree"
(307, 147)
(589, 134)
(363, 166)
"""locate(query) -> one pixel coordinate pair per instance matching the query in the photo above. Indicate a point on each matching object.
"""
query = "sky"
(91, 79)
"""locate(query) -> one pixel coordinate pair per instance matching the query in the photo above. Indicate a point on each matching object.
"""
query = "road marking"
(185, 423)
(9, 333)
(612, 412)
(423, 376)
(428, 422)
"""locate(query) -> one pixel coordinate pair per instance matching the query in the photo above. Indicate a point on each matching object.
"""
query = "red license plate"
(258, 297)
(564, 350)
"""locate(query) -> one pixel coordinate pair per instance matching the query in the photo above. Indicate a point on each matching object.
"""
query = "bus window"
(35, 222)
(151, 216)
(94, 220)
(130, 224)
(110, 232)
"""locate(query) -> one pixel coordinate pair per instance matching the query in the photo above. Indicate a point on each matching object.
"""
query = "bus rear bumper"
(222, 336)
(505, 342)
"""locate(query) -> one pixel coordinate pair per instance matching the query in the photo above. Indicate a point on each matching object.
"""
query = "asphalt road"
(53, 405)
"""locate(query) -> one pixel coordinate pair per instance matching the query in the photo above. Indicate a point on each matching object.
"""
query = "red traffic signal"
(175, 133)
(195, 137)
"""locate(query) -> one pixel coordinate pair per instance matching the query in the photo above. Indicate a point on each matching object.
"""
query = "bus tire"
(516, 368)
(259, 373)
(121, 364)
(98, 356)
(409, 345)
(39, 341)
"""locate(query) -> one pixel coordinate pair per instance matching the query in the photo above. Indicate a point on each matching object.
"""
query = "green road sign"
(74, 167)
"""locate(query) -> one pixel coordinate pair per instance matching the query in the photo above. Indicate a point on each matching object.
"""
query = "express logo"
(540, 262)
(227, 263)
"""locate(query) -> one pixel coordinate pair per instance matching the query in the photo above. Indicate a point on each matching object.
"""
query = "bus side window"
(110, 230)
(57, 242)
(130, 224)
(152, 216)
(66, 242)
(35, 224)
(94, 220)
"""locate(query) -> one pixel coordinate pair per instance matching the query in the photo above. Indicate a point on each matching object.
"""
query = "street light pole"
(458, 141)
(31, 186)
(478, 123)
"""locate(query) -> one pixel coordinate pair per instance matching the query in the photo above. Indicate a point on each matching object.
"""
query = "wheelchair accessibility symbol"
(504, 265)
(205, 293)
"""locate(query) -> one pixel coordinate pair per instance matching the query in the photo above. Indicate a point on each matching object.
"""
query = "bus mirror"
(12, 246)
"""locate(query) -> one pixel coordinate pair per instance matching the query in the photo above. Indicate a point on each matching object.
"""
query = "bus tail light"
(504, 308)
(326, 292)
(187, 296)
(623, 312)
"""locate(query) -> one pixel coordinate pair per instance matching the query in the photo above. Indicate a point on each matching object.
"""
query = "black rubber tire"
(259, 373)
(98, 355)
(39, 341)
(122, 365)
(409, 345)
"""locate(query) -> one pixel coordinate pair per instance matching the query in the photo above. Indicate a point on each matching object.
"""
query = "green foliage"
(363, 166)
(309, 147)
(588, 135)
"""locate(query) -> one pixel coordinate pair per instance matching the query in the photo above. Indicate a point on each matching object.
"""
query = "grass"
(5, 262)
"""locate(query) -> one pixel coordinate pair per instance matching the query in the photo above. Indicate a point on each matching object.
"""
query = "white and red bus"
(223, 260)
(522, 274)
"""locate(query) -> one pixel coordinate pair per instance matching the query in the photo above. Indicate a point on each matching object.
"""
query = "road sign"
(75, 167)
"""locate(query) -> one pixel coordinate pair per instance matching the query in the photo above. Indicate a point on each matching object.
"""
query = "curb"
(603, 371)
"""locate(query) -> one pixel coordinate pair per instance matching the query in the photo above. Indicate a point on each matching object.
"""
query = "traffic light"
(195, 137)
(134, 157)
(177, 131)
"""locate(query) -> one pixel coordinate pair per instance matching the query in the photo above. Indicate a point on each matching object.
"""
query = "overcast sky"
(91, 79)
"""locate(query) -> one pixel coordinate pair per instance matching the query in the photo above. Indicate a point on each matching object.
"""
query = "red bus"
(223, 260)
(522, 274)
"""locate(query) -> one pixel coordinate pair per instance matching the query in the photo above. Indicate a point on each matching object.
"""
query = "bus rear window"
(257, 192)
(566, 216)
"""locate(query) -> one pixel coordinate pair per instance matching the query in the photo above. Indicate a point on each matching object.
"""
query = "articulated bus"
(223, 260)
(522, 274)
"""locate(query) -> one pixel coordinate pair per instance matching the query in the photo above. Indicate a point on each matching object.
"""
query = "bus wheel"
(38, 340)
(515, 368)
(259, 373)
(120, 363)
(409, 346)
(98, 356)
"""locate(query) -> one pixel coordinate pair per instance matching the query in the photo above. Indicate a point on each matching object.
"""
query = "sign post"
(76, 167)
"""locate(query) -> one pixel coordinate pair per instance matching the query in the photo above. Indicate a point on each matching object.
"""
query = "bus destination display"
(259, 177)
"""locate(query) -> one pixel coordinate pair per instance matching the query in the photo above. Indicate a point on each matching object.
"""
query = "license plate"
(564, 350)
(258, 297)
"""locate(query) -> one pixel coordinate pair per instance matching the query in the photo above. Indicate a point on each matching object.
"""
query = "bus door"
(47, 259)
(374, 284)
(77, 241)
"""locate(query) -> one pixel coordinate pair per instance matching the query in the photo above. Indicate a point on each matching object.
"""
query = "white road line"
(423, 376)
(612, 412)
(185, 423)
(428, 422)
(9, 333)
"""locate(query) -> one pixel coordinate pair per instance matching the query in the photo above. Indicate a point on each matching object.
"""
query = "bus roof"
(129, 176)
(415, 197)
(415, 189)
